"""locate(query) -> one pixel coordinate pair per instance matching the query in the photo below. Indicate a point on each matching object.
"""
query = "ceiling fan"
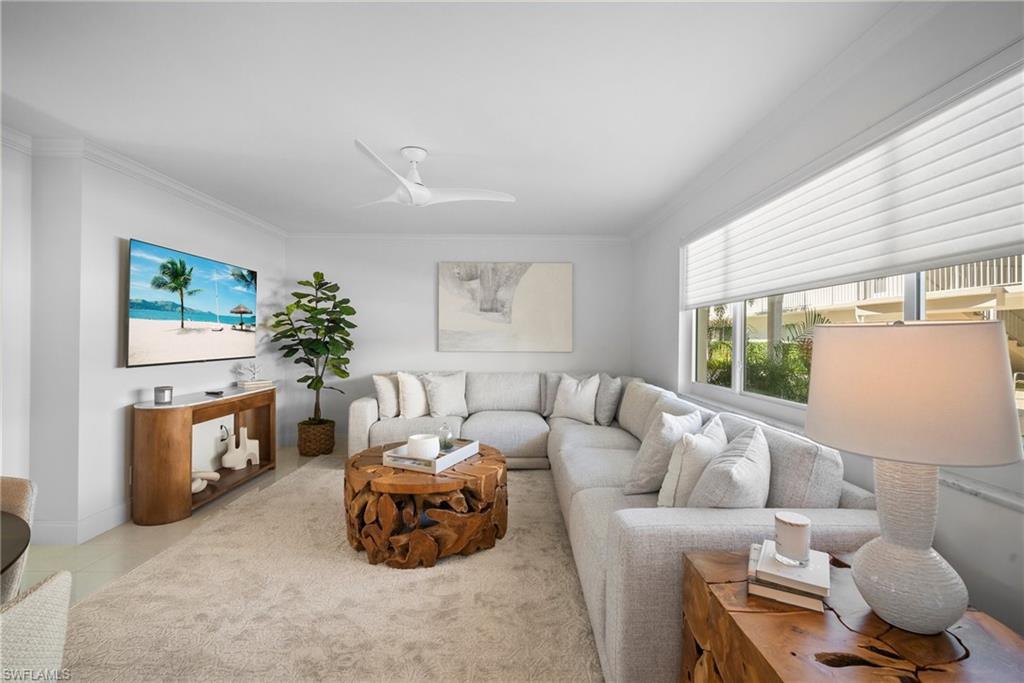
(412, 192)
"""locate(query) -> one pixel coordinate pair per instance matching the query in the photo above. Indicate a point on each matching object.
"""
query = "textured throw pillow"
(386, 387)
(738, 477)
(689, 458)
(576, 398)
(609, 391)
(446, 394)
(651, 462)
(412, 397)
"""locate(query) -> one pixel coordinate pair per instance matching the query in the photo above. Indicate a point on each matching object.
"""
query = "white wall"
(392, 282)
(15, 309)
(919, 57)
(116, 207)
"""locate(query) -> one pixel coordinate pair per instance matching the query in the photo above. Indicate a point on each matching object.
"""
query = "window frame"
(913, 310)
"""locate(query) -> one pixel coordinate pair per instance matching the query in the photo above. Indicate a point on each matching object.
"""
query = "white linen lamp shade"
(915, 396)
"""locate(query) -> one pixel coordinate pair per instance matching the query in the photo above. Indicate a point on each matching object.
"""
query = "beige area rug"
(269, 589)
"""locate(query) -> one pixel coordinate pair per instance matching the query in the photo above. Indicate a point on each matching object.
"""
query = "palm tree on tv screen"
(176, 277)
(244, 277)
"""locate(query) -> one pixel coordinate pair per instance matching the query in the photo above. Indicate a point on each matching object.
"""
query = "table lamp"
(916, 397)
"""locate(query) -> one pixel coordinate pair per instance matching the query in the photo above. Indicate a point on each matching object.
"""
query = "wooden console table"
(161, 478)
(729, 635)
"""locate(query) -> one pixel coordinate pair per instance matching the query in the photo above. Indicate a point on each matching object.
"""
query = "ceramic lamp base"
(900, 575)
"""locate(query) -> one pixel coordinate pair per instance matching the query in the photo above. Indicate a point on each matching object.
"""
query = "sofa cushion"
(589, 514)
(549, 388)
(638, 399)
(581, 467)
(738, 477)
(516, 433)
(412, 396)
(689, 458)
(446, 393)
(651, 463)
(576, 398)
(401, 428)
(566, 433)
(673, 405)
(805, 474)
(503, 391)
(386, 387)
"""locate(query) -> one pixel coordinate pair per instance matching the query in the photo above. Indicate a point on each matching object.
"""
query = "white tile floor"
(100, 560)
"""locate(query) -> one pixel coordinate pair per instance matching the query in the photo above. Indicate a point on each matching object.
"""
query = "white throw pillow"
(651, 462)
(412, 397)
(576, 398)
(608, 394)
(386, 387)
(738, 477)
(446, 394)
(689, 458)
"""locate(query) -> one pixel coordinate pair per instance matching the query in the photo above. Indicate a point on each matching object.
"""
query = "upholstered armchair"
(18, 497)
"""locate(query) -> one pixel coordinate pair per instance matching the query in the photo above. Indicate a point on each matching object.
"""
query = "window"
(992, 289)
(714, 345)
(778, 330)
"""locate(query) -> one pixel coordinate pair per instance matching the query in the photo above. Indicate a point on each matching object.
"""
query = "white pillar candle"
(792, 538)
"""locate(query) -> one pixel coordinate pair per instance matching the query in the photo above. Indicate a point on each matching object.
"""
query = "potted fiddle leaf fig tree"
(315, 330)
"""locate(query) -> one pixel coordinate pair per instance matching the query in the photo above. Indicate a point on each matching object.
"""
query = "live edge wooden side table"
(410, 519)
(731, 636)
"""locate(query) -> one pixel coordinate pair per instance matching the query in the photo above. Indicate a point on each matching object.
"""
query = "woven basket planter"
(316, 439)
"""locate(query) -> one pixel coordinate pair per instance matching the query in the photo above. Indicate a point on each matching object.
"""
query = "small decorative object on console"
(247, 450)
(201, 478)
(163, 396)
(792, 539)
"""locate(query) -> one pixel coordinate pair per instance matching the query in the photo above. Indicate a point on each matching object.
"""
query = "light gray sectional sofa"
(628, 551)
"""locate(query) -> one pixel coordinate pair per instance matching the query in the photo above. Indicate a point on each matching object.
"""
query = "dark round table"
(14, 537)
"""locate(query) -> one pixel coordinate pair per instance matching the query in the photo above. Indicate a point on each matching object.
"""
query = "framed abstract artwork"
(504, 306)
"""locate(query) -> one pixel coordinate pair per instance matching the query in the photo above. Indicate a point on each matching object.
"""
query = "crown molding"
(133, 169)
(108, 158)
(16, 140)
(455, 237)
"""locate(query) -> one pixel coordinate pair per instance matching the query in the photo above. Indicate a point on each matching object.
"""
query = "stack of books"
(800, 586)
(448, 457)
(250, 384)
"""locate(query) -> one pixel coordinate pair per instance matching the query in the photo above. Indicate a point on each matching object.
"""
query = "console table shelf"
(229, 479)
(161, 476)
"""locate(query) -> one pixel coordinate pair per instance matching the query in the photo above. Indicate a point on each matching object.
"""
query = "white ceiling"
(594, 116)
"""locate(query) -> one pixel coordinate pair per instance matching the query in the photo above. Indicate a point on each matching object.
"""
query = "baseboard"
(73, 533)
(54, 533)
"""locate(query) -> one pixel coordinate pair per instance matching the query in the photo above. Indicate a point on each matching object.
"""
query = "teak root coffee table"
(409, 519)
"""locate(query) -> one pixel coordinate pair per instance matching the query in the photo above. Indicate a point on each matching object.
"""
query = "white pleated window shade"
(945, 190)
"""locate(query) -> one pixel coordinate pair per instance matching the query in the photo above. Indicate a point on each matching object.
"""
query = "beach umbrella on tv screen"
(241, 310)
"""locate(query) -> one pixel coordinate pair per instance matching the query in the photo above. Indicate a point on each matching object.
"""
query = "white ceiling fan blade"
(441, 195)
(380, 162)
(399, 196)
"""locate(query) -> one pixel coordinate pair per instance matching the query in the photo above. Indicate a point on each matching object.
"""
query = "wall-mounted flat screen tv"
(184, 308)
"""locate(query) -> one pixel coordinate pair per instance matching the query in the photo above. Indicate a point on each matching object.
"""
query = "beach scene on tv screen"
(184, 308)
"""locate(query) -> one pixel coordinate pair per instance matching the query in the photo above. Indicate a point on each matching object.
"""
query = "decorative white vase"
(245, 451)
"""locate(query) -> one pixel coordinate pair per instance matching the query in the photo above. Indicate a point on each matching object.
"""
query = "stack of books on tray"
(448, 457)
(805, 587)
(250, 384)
